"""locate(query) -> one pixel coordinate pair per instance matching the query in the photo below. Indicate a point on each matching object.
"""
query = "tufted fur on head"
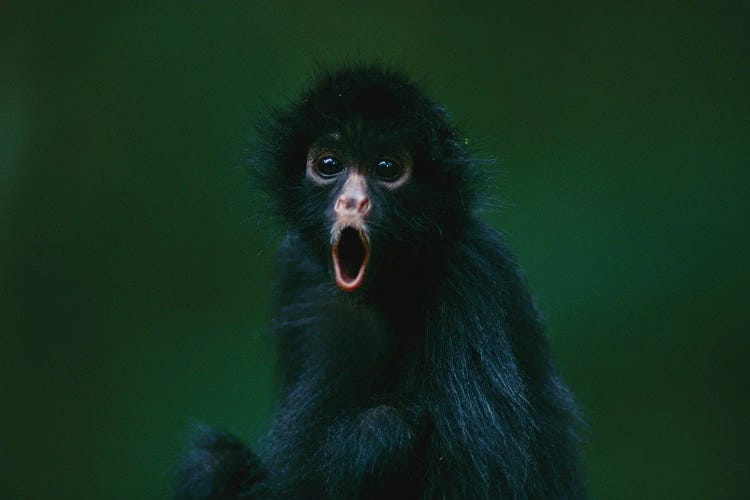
(363, 101)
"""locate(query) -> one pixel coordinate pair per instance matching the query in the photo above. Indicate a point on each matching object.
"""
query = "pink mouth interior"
(350, 257)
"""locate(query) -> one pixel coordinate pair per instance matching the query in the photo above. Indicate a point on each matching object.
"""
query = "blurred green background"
(135, 267)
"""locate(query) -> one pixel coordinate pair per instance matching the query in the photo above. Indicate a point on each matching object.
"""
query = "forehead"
(362, 137)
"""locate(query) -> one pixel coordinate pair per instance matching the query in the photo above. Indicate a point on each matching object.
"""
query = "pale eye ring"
(388, 170)
(328, 166)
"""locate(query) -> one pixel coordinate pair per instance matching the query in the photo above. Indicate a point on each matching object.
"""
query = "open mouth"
(351, 253)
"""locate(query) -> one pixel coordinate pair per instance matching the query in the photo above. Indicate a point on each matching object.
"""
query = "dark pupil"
(388, 170)
(329, 166)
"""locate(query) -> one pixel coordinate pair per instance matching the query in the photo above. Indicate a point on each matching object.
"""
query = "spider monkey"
(415, 363)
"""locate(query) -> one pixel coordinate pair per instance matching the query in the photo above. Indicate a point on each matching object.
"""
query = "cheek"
(308, 209)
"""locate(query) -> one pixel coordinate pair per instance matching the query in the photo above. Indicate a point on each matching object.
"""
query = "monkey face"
(370, 174)
(353, 176)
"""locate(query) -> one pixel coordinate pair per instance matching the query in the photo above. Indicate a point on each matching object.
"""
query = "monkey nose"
(358, 204)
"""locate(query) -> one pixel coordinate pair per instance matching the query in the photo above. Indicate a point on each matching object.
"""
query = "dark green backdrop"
(135, 268)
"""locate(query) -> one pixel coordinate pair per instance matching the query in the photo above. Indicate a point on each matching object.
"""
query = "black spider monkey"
(415, 362)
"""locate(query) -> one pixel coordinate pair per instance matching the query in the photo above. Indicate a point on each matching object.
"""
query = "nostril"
(344, 203)
(363, 206)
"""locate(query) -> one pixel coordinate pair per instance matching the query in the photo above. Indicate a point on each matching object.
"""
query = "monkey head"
(368, 171)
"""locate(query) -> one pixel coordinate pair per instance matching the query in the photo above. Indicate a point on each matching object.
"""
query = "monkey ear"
(275, 162)
(269, 152)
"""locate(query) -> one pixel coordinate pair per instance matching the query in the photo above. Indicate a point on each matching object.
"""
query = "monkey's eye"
(388, 170)
(329, 166)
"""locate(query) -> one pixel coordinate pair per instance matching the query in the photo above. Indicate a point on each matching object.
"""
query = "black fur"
(434, 380)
